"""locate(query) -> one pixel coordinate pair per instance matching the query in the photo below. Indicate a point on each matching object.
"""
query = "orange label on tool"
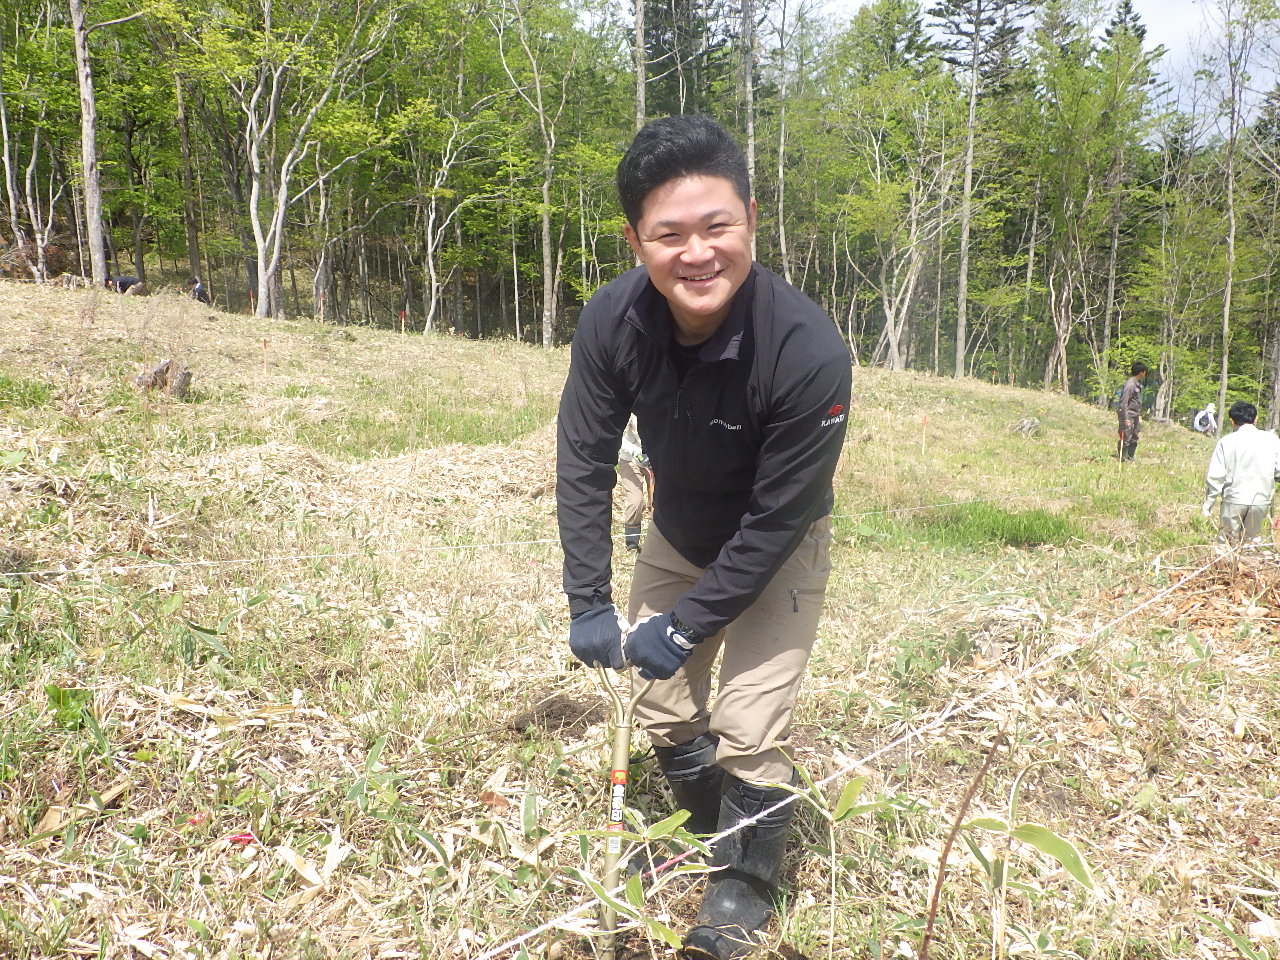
(619, 777)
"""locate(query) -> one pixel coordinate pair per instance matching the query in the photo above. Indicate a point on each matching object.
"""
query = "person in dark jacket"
(1130, 410)
(123, 284)
(198, 291)
(740, 386)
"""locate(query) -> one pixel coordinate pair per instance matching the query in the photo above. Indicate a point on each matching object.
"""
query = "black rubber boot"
(631, 535)
(739, 898)
(695, 779)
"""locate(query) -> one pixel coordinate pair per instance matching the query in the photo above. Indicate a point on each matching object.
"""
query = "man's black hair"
(674, 147)
(1137, 368)
(1242, 412)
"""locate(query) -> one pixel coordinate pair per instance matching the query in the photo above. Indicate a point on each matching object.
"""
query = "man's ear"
(752, 211)
(633, 241)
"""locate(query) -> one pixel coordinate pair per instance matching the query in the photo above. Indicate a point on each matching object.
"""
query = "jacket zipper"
(684, 422)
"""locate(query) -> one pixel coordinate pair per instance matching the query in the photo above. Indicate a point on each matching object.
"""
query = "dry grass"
(213, 748)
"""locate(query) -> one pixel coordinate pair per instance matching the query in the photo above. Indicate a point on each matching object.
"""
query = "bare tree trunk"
(89, 146)
(10, 178)
(190, 216)
(641, 57)
(135, 181)
(1239, 25)
(966, 214)
(547, 116)
(1108, 311)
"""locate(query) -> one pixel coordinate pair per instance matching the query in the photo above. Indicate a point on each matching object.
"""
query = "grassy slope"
(380, 746)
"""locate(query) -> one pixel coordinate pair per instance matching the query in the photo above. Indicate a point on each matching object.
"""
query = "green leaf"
(635, 889)
(661, 931)
(529, 810)
(604, 896)
(68, 704)
(987, 823)
(977, 854)
(848, 796)
(1062, 850)
(431, 842)
(1146, 796)
(371, 761)
(11, 458)
(667, 827)
(199, 929)
(1240, 943)
(171, 604)
(209, 637)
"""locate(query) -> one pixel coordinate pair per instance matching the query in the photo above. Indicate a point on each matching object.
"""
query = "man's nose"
(696, 248)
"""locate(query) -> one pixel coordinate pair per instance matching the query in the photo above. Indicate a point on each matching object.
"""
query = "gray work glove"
(595, 637)
(1207, 509)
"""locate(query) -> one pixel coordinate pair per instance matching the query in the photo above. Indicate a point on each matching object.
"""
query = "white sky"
(1179, 25)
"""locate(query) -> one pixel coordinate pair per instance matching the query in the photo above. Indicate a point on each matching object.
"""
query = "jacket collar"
(651, 313)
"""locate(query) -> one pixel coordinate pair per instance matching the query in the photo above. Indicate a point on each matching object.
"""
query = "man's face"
(694, 235)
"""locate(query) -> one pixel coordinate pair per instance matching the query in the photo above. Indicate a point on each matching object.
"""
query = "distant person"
(1242, 471)
(1206, 421)
(197, 290)
(1130, 411)
(126, 285)
(633, 469)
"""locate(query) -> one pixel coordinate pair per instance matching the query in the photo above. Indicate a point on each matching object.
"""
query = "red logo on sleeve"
(836, 410)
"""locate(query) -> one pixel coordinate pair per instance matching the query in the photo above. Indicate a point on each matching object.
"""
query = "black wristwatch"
(678, 626)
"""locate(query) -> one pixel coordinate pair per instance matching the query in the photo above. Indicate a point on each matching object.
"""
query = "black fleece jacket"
(743, 445)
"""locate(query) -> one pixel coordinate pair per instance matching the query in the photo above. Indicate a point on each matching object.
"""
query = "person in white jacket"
(633, 468)
(1206, 421)
(1243, 472)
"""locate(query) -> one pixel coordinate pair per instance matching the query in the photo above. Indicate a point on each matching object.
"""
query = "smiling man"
(740, 386)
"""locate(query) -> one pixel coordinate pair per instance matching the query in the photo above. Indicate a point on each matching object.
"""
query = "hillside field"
(283, 670)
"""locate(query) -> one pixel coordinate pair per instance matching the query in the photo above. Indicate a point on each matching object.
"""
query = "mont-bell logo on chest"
(834, 415)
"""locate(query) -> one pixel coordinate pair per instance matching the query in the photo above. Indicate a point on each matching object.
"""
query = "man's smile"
(702, 278)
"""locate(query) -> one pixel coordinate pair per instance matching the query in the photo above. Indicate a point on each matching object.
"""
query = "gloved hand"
(657, 647)
(1207, 509)
(595, 637)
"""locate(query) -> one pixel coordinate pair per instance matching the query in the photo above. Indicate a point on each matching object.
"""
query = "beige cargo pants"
(765, 652)
(631, 479)
(1242, 523)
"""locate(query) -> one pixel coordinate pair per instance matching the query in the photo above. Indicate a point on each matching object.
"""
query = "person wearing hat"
(1205, 421)
(1242, 472)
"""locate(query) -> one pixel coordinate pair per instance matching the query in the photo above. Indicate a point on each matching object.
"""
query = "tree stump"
(171, 376)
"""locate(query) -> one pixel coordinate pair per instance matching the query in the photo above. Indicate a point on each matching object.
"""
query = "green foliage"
(975, 525)
(68, 704)
(23, 394)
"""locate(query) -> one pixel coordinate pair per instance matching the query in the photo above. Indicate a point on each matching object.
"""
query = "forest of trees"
(1003, 189)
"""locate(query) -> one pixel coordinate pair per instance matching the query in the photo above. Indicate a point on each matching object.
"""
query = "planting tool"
(623, 712)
